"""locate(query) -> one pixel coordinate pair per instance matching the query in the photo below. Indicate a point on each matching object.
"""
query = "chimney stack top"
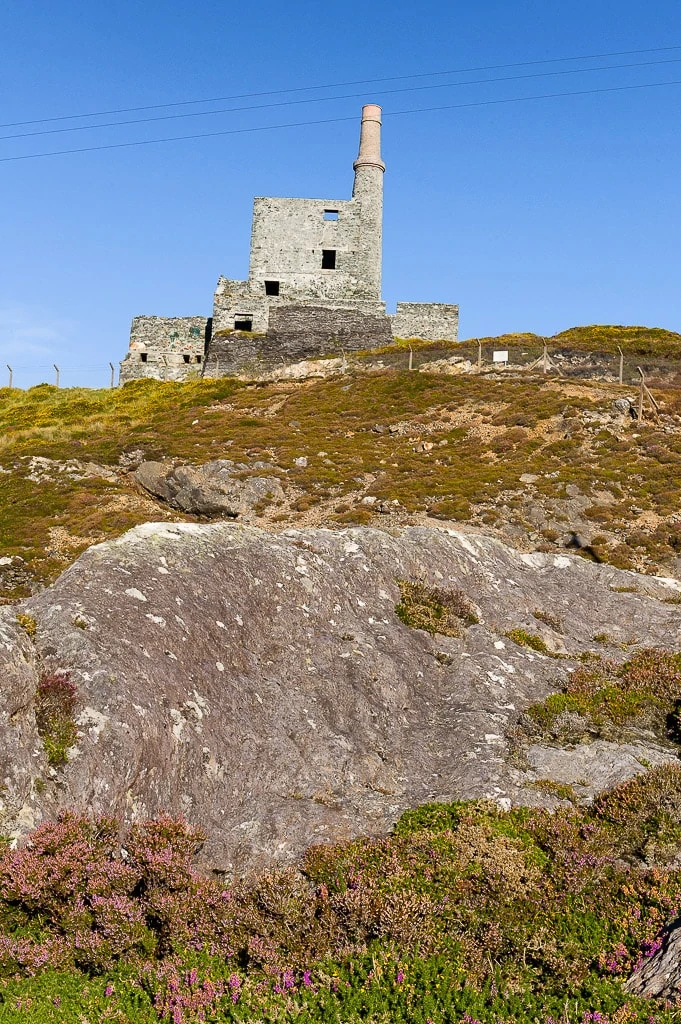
(370, 138)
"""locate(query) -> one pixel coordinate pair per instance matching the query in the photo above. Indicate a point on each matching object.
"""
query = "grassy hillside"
(448, 447)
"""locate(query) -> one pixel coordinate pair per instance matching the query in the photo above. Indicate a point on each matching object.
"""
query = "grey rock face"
(591, 767)
(263, 685)
(208, 490)
(659, 977)
(21, 754)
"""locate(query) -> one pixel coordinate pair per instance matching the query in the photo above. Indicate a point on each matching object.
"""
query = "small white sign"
(500, 357)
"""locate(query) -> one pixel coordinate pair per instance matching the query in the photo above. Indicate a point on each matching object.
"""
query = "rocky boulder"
(264, 686)
(217, 488)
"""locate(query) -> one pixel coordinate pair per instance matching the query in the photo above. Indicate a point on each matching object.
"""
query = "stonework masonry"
(169, 348)
(435, 321)
(313, 288)
(295, 333)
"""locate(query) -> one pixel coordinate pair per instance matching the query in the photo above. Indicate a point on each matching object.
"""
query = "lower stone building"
(313, 289)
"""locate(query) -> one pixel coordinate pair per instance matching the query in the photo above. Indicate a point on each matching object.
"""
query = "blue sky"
(532, 216)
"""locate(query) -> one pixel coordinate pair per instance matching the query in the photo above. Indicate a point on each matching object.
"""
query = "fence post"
(640, 395)
(11, 374)
(411, 358)
(621, 363)
(479, 354)
(57, 369)
(546, 358)
(111, 382)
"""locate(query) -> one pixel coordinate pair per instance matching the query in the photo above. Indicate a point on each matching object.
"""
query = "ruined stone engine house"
(313, 289)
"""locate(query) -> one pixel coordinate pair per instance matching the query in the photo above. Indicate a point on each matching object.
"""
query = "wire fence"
(663, 368)
(533, 357)
(17, 375)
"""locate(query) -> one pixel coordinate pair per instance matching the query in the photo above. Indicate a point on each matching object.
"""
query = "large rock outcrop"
(219, 488)
(263, 685)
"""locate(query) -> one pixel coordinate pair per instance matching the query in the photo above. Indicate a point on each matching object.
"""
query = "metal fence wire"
(533, 357)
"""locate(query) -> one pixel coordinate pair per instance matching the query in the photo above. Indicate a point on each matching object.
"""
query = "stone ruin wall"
(166, 348)
(431, 321)
(296, 332)
(179, 348)
(287, 241)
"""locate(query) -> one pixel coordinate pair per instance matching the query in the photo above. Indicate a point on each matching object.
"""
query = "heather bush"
(55, 704)
(465, 913)
(604, 698)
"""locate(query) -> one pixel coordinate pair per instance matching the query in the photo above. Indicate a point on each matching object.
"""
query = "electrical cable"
(326, 99)
(342, 85)
(336, 120)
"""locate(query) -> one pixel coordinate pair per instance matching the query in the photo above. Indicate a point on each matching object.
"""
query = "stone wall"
(166, 348)
(235, 302)
(289, 237)
(296, 333)
(433, 321)
(302, 331)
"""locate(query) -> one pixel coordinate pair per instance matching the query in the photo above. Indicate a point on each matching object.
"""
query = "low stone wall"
(296, 333)
(433, 321)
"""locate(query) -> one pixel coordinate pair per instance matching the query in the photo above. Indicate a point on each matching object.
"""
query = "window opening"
(143, 356)
(186, 357)
(271, 287)
(198, 359)
(328, 259)
(243, 322)
(330, 214)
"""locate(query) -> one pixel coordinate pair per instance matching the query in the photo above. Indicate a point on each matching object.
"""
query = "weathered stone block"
(433, 321)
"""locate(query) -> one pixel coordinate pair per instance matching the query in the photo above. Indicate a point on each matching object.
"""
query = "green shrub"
(435, 609)
(524, 639)
(647, 687)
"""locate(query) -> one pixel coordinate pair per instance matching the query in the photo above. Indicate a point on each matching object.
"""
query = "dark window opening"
(198, 359)
(186, 358)
(330, 214)
(243, 323)
(143, 356)
(328, 259)
(271, 287)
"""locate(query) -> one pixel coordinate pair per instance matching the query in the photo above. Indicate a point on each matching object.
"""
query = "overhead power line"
(344, 96)
(342, 85)
(337, 120)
